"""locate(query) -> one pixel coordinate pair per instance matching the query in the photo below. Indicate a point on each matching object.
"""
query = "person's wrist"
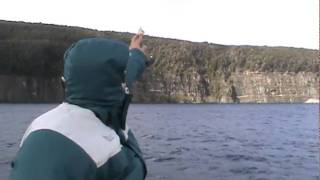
(138, 52)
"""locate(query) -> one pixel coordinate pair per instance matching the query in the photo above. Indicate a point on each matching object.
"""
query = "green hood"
(94, 71)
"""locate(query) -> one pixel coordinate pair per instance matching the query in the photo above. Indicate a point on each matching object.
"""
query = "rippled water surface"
(204, 142)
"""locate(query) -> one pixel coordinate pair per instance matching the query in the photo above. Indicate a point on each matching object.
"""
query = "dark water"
(205, 142)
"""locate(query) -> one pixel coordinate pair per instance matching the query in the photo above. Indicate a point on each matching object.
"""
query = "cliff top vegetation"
(35, 49)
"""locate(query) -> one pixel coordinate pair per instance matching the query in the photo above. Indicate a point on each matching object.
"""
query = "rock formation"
(31, 63)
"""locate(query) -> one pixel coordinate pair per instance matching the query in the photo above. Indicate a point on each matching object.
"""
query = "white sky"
(232, 22)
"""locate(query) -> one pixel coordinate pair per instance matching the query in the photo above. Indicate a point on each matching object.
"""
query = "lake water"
(204, 142)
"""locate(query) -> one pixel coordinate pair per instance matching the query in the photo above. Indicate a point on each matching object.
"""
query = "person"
(87, 137)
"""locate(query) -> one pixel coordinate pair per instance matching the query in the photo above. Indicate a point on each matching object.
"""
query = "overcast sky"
(233, 22)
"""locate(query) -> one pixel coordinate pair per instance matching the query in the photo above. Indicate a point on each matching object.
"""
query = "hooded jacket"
(86, 137)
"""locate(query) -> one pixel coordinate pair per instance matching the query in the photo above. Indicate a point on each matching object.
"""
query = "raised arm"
(137, 61)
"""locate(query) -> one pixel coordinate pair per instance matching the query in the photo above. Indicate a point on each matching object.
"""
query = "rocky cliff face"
(275, 87)
(248, 87)
(186, 72)
(30, 89)
(245, 87)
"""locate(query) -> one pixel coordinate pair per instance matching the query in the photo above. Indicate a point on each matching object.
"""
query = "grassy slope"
(37, 50)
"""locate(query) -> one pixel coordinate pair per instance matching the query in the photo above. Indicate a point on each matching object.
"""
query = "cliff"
(31, 65)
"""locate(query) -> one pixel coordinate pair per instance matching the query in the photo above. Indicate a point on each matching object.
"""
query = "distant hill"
(183, 71)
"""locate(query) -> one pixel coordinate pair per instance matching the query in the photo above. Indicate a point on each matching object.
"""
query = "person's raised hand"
(136, 42)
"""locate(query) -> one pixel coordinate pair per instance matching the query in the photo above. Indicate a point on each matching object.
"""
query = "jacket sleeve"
(135, 67)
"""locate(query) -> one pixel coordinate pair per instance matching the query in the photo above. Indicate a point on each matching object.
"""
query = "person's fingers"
(140, 36)
(135, 37)
(136, 41)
